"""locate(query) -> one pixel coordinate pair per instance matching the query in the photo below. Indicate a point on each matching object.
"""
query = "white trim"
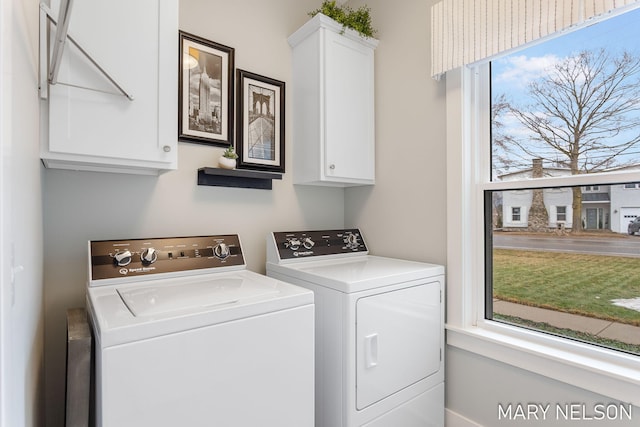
(454, 419)
(6, 195)
(606, 372)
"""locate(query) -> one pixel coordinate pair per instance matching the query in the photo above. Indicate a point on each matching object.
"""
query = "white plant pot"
(227, 163)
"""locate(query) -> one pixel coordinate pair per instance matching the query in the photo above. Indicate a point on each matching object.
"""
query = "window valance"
(466, 31)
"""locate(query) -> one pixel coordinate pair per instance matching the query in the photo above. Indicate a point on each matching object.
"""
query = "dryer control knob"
(149, 256)
(122, 258)
(308, 243)
(351, 241)
(221, 251)
(292, 243)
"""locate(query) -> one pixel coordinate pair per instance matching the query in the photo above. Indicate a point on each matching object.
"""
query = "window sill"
(612, 374)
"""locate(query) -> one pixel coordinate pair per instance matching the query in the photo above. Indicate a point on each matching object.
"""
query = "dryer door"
(397, 341)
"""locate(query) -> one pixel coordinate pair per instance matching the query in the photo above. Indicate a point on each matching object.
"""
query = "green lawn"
(574, 283)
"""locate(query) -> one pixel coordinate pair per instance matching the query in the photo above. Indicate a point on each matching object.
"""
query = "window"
(561, 213)
(515, 214)
(495, 164)
(546, 125)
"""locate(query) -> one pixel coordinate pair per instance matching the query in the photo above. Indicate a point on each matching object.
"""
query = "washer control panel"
(304, 244)
(111, 259)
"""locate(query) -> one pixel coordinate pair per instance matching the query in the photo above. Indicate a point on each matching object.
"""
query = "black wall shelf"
(236, 178)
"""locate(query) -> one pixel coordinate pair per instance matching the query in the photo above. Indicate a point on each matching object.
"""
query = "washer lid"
(132, 312)
(156, 300)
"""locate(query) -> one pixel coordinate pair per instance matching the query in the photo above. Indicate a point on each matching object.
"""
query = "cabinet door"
(397, 341)
(349, 109)
(136, 43)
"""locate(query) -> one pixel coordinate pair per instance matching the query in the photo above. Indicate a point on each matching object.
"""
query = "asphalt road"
(618, 245)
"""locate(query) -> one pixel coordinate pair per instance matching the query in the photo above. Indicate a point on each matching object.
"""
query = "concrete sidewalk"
(602, 328)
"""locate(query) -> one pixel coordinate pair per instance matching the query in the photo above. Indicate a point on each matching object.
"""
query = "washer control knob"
(292, 243)
(149, 256)
(307, 243)
(221, 251)
(122, 258)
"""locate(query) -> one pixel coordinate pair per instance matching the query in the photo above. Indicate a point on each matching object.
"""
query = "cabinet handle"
(166, 148)
(332, 166)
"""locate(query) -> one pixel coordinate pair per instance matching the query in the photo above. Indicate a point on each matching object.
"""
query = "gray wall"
(477, 385)
(21, 311)
(404, 214)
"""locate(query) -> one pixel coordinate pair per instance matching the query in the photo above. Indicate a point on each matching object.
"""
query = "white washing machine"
(186, 336)
(379, 329)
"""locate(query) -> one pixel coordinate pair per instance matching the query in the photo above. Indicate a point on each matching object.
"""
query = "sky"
(511, 74)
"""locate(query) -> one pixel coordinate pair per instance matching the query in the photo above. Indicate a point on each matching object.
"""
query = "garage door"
(626, 216)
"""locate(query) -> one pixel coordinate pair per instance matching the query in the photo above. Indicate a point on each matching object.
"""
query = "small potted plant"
(359, 19)
(228, 159)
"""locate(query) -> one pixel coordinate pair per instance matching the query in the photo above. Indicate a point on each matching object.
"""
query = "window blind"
(466, 31)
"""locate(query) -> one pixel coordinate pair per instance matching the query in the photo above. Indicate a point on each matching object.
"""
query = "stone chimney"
(536, 170)
(538, 220)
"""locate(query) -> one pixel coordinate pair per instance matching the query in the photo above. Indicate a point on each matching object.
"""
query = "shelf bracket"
(49, 70)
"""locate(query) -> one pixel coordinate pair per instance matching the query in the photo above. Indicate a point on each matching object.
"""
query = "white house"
(604, 207)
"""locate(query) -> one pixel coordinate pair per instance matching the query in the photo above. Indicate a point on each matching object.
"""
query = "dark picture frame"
(205, 91)
(260, 122)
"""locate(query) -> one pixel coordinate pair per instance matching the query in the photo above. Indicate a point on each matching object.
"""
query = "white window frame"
(513, 214)
(603, 371)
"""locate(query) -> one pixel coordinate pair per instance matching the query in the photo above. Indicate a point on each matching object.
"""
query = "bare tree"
(585, 111)
(505, 153)
(501, 142)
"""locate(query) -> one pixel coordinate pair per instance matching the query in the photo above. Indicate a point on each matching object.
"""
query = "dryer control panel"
(304, 244)
(113, 259)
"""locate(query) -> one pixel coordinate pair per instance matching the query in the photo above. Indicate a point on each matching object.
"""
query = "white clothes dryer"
(186, 336)
(379, 329)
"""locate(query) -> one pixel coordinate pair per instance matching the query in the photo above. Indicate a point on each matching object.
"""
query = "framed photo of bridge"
(260, 122)
(205, 91)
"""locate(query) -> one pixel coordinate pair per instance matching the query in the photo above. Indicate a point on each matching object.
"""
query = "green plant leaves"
(358, 20)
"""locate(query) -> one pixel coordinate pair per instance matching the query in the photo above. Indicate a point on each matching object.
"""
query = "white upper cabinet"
(136, 43)
(333, 105)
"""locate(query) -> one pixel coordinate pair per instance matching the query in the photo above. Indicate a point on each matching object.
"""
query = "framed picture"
(205, 91)
(260, 124)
